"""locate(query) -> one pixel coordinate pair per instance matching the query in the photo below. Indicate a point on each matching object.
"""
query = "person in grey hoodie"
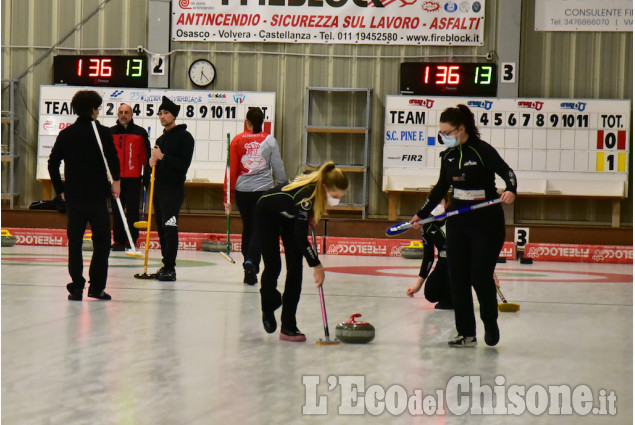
(254, 163)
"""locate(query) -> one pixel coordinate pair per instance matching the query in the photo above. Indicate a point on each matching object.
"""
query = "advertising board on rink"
(209, 116)
(555, 146)
(403, 22)
(612, 254)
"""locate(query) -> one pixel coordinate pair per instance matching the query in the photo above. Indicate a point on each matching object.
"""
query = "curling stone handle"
(354, 316)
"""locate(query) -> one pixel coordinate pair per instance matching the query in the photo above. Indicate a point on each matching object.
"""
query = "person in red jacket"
(133, 149)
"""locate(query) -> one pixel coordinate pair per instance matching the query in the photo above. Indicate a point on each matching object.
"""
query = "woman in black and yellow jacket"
(286, 212)
(474, 239)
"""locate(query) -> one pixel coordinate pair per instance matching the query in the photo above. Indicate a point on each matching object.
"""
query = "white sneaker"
(463, 341)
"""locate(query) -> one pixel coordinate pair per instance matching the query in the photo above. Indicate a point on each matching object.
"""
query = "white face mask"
(449, 141)
(438, 210)
(330, 201)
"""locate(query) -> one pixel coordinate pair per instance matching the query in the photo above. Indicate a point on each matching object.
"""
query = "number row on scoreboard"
(557, 120)
(199, 111)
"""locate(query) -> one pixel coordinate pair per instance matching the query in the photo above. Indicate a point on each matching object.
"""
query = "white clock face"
(202, 73)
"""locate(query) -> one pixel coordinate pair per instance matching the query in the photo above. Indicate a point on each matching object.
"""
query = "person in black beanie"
(86, 191)
(171, 156)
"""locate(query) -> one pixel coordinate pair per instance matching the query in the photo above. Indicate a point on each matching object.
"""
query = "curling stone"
(87, 243)
(355, 332)
(214, 246)
(414, 250)
(7, 238)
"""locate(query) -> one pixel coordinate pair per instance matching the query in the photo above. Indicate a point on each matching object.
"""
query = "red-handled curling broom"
(327, 337)
(505, 306)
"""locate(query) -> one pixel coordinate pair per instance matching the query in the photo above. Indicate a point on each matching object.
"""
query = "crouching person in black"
(86, 190)
(437, 285)
(171, 156)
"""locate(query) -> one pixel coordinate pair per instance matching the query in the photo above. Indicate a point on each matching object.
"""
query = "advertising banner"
(613, 254)
(403, 22)
(584, 15)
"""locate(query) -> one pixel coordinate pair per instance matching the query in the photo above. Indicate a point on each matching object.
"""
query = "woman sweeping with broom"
(475, 239)
(286, 211)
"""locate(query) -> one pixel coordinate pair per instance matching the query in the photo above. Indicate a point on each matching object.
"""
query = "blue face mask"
(449, 141)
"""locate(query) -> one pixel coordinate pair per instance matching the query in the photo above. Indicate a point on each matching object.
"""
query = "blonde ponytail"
(327, 175)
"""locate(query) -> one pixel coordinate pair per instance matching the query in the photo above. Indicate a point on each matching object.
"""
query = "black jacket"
(84, 169)
(432, 234)
(178, 146)
(295, 207)
(470, 166)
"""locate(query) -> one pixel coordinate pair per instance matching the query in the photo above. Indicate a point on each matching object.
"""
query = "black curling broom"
(327, 337)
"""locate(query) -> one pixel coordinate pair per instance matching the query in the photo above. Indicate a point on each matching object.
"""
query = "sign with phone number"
(403, 22)
(209, 117)
(543, 138)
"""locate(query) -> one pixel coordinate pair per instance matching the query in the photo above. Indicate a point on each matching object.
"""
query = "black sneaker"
(101, 295)
(118, 247)
(75, 294)
(292, 335)
(463, 341)
(492, 334)
(269, 321)
(156, 274)
(165, 275)
(251, 277)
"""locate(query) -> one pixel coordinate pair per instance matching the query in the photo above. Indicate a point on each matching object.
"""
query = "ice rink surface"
(194, 351)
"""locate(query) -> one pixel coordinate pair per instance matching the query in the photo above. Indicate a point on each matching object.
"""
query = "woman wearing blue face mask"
(286, 211)
(474, 239)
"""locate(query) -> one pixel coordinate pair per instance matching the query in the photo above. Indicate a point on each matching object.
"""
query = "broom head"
(508, 307)
(328, 342)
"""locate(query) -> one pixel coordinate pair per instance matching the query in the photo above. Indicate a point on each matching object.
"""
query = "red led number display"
(448, 79)
(113, 71)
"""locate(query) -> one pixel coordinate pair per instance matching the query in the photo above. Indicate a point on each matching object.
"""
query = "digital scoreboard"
(448, 79)
(101, 71)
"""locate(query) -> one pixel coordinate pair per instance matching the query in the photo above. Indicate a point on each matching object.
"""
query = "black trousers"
(79, 215)
(250, 247)
(272, 227)
(130, 194)
(167, 205)
(474, 242)
(437, 286)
